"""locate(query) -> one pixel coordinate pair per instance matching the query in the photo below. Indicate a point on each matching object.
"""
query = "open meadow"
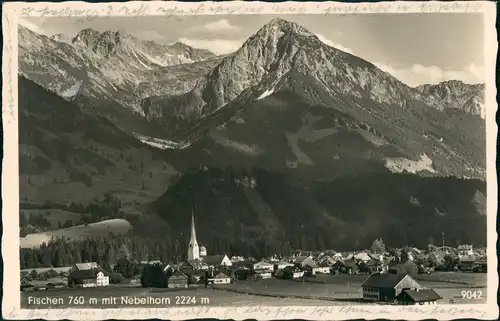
(322, 290)
(178, 298)
(103, 228)
(347, 288)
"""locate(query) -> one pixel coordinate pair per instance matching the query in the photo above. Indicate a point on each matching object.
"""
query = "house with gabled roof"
(361, 257)
(192, 266)
(178, 280)
(217, 260)
(281, 265)
(88, 278)
(323, 268)
(299, 260)
(220, 278)
(290, 272)
(263, 267)
(386, 286)
(347, 267)
(418, 297)
(85, 266)
(373, 266)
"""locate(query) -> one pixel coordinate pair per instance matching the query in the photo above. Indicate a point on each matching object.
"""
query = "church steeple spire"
(194, 250)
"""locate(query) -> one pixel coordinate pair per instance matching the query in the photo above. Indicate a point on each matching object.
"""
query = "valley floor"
(324, 290)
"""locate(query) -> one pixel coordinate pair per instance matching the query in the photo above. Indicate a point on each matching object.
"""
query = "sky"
(415, 48)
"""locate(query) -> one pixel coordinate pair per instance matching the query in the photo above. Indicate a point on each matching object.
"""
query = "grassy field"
(103, 228)
(337, 290)
(54, 215)
(348, 287)
(203, 297)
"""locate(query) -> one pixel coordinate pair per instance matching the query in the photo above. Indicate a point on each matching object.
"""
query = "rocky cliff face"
(111, 65)
(276, 49)
(457, 95)
(284, 76)
(148, 54)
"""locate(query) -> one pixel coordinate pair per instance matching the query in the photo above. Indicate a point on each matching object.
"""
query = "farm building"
(191, 266)
(178, 280)
(290, 273)
(408, 267)
(87, 278)
(418, 297)
(85, 266)
(220, 278)
(386, 286)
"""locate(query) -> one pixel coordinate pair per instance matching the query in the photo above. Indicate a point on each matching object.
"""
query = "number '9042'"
(472, 295)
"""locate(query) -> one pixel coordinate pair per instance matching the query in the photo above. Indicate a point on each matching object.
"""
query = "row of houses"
(84, 275)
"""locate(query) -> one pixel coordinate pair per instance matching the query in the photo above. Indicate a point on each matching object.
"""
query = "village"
(376, 275)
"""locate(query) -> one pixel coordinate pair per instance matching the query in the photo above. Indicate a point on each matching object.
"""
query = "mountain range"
(295, 116)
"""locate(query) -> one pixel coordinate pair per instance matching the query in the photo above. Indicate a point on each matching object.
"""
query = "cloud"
(215, 26)
(418, 75)
(31, 26)
(217, 46)
(150, 35)
(332, 44)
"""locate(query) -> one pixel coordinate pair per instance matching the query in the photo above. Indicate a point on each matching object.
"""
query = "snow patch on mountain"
(266, 93)
(252, 150)
(160, 143)
(72, 91)
(399, 165)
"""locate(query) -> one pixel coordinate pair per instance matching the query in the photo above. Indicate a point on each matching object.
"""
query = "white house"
(220, 278)
(322, 268)
(263, 275)
(235, 259)
(362, 256)
(465, 250)
(102, 280)
(281, 265)
(263, 266)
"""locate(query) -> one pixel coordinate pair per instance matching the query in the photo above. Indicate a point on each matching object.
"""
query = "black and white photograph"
(217, 159)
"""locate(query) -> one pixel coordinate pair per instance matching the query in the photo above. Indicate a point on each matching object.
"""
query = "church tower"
(194, 250)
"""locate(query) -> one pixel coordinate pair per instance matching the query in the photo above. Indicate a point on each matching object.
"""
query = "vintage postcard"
(249, 160)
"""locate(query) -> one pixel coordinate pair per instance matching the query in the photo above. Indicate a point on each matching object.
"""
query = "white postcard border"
(13, 11)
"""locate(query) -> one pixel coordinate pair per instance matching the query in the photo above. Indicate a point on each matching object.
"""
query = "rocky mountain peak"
(103, 43)
(282, 32)
(61, 37)
(455, 94)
